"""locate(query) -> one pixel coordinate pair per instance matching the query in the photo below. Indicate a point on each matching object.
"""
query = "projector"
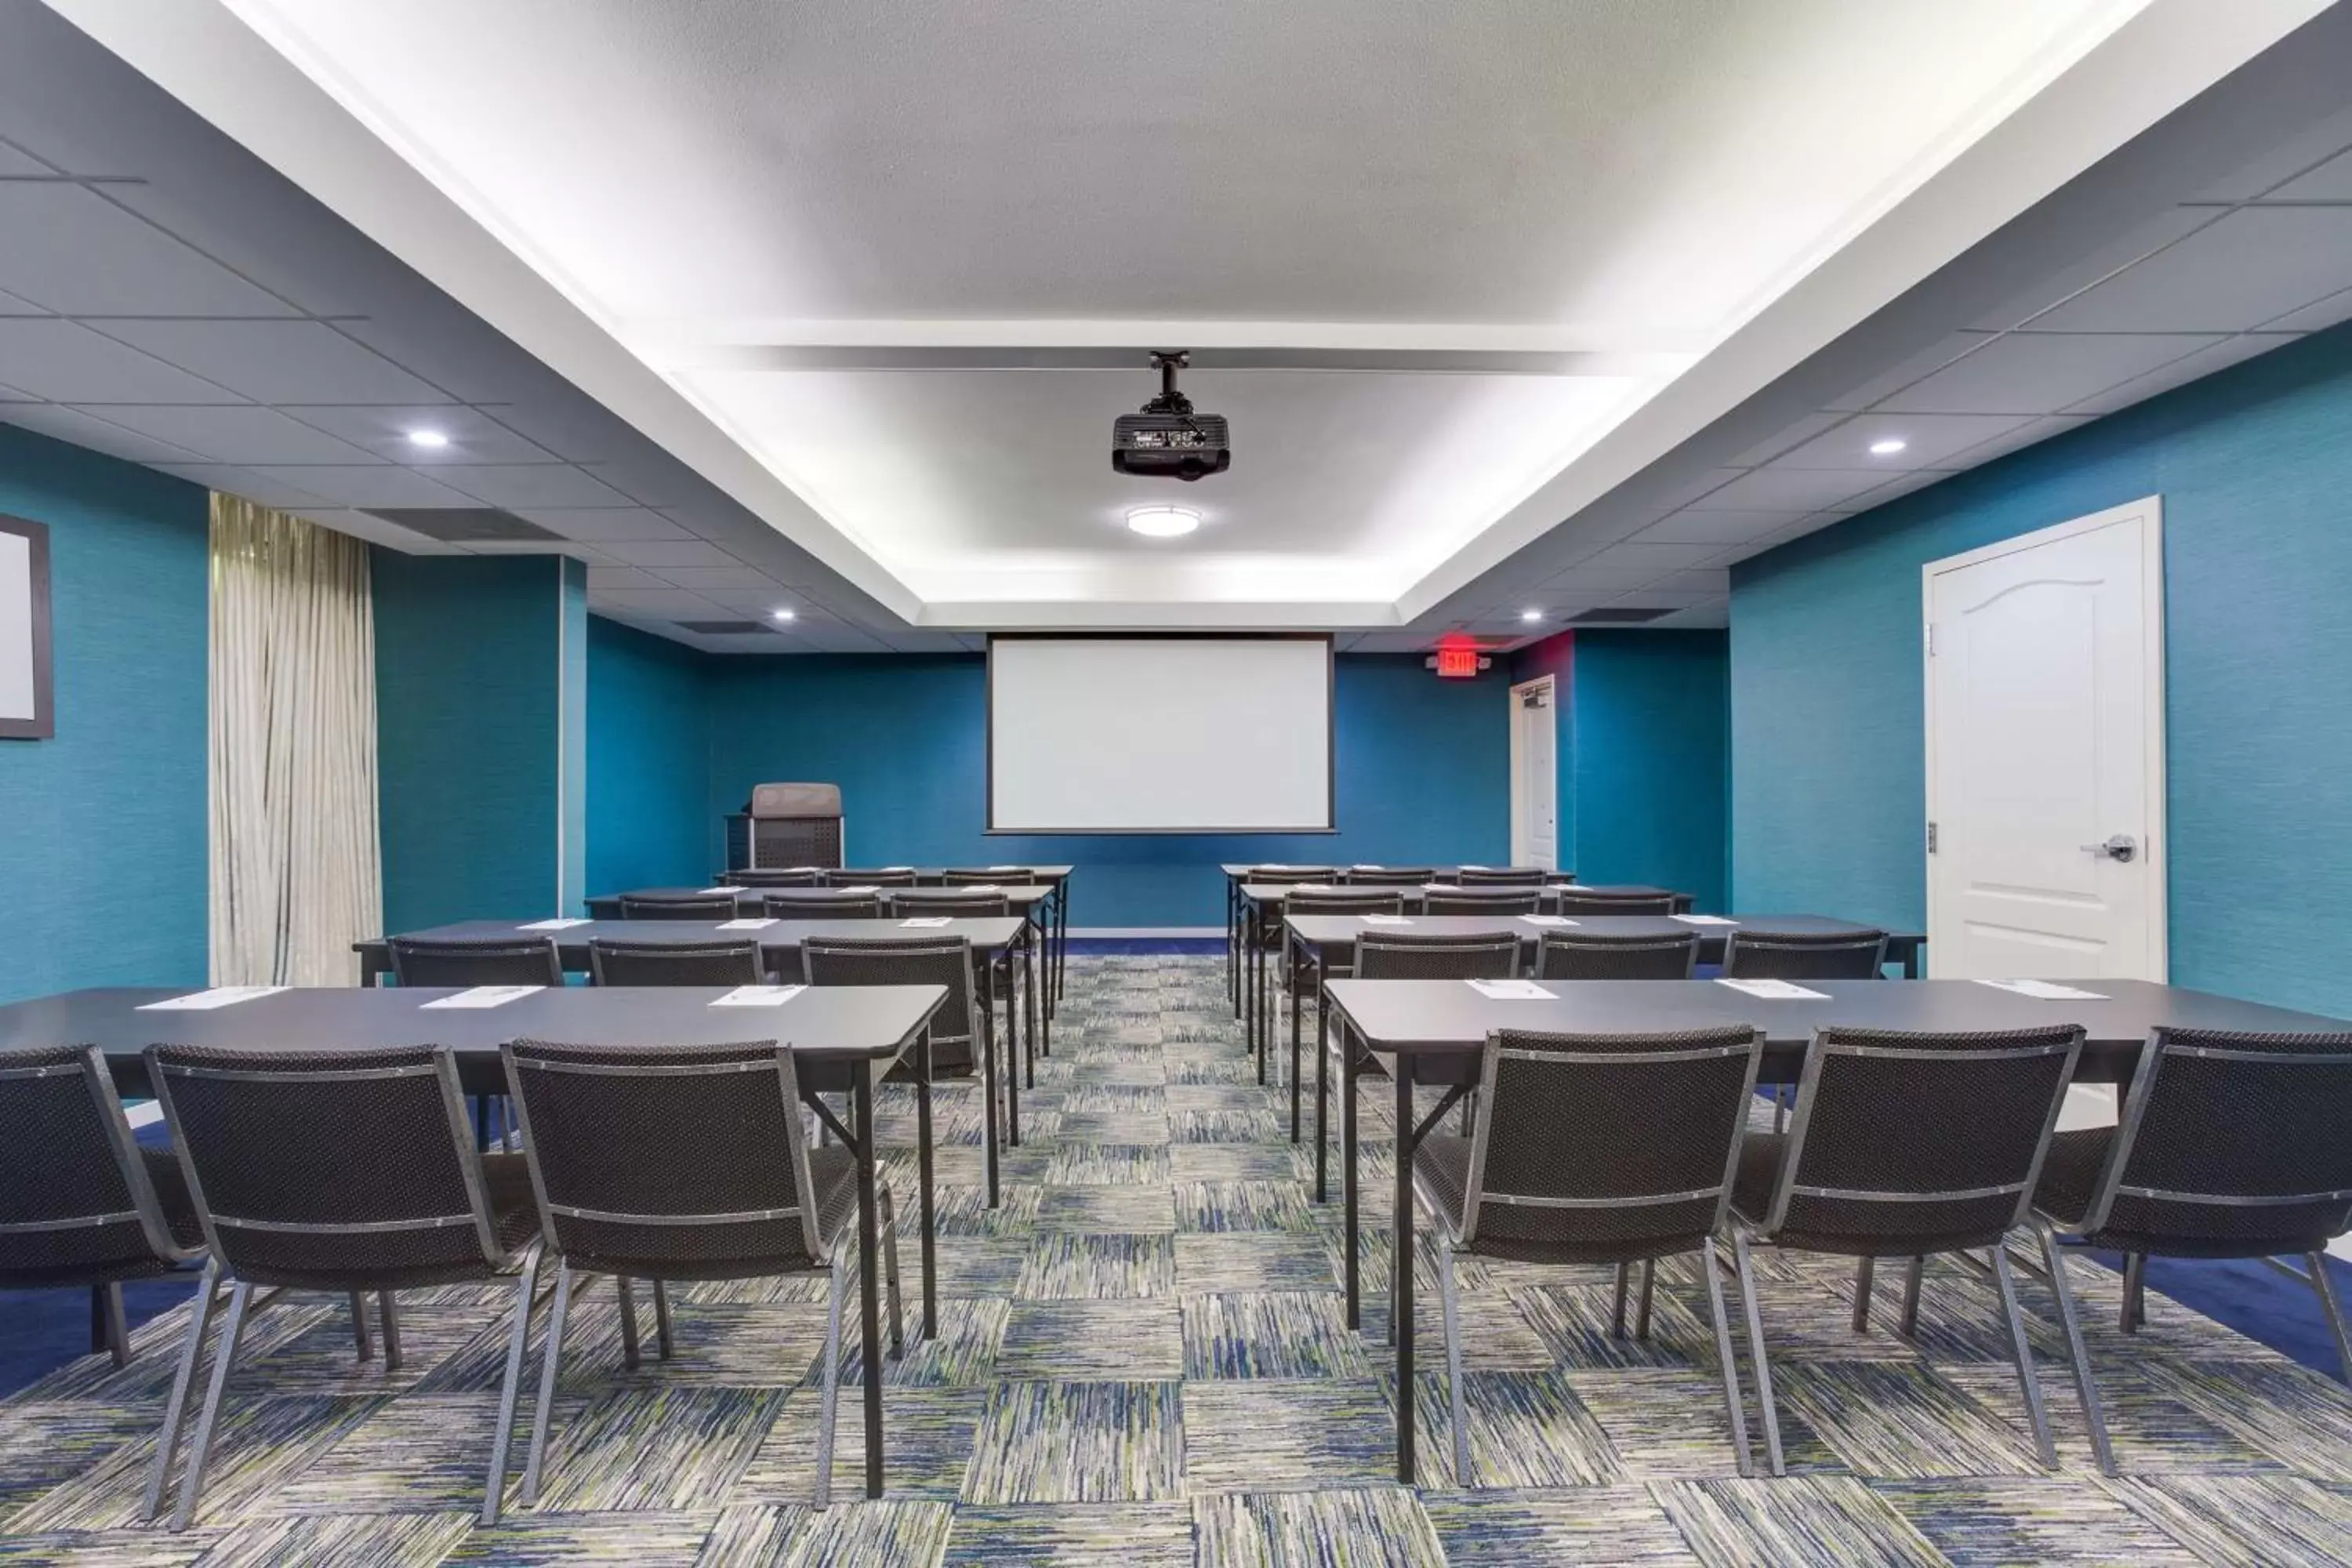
(1167, 440)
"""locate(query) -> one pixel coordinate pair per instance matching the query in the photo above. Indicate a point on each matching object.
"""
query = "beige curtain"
(296, 877)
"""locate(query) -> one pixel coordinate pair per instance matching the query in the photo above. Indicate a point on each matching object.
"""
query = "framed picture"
(28, 677)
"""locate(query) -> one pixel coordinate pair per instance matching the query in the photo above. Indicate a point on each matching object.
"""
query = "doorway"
(1534, 774)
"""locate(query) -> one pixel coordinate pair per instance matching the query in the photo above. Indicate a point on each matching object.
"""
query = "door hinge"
(1931, 639)
(1931, 838)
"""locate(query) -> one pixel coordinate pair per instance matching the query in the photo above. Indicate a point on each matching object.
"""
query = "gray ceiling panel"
(1929, 440)
(2312, 317)
(12, 306)
(2042, 372)
(235, 434)
(1717, 527)
(531, 485)
(50, 232)
(67, 363)
(1807, 489)
(600, 525)
(659, 554)
(16, 160)
(279, 362)
(2331, 182)
(2251, 267)
(65, 423)
(264, 489)
(380, 485)
(473, 436)
(2181, 372)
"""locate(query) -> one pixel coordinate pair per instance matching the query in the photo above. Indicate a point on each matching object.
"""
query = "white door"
(1535, 778)
(2046, 753)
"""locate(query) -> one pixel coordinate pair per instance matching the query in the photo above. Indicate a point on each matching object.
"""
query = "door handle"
(2122, 846)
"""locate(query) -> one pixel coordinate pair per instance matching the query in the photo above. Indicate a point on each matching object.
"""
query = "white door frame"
(1549, 686)
(2156, 851)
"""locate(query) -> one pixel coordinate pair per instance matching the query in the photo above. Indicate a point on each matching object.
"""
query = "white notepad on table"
(1386, 921)
(749, 923)
(564, 924)
(927, 922)
(1703, 920)
(1510, 990)
(758, 996)
(486, 996)
(205, 1000)
(1465, 866)
(1548, 920)
(1366, 865)
(726, 887)
(980, 887)
(1776, 990)
(898, 867)
(862, 888)
(2045, 990)
(1008, 867)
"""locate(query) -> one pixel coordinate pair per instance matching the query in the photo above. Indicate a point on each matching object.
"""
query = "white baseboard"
(1147, 930)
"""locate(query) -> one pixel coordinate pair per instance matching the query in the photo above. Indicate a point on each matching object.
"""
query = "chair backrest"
(1858, 954)
(1604, 1140)
(852, 877)
(2235, 1141)
(1500, 901)
(1389, 876)
(906, 958)
(788, 877)
(1919, 1142)
(1593, 955)
(1587, 902)
(616, 962)
(1278, 875)
(1320, 900)
(329, 1168)
(669, 1161)
(501, 961)
(817, 905)
(985, 876)
(950, 902)
(75, 1200)
(1402, 956)
(1501, 876)
(678, 906)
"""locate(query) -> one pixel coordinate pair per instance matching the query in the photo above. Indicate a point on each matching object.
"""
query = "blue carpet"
(1149, 946)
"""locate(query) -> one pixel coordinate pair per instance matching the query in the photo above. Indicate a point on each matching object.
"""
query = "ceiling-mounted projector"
(1167, 440)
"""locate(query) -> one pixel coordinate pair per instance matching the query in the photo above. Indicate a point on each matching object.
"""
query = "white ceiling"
(869, 286)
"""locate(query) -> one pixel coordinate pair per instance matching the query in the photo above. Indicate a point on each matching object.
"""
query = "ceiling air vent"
(464, 524)
(1616, 618)
(723, 628)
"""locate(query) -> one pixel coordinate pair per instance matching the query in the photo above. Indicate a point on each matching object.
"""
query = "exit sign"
(1457, 663)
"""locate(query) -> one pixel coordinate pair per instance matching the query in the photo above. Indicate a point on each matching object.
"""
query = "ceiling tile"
(1650, 555)
(571, 547)
(1663, 599)
(376, 531)
(2042, 372)
(663, 553)
(2181, 372)
(1928, 361)
(67, 363)
(1699, 580)
(97, 435)
(16, 160)
(2251, 267)
(1929, 440)
(279, 362)
(1717, 528)
(12, 306)
(262, 488)
(2331, 182)
(573, 429)
(473, 436)
(381, 484)
(2284, 162)
(235, 434)
(1803, 430)
(1774, 540)
(1594, 582)
(2312, 318)
(604, 579)
(1792, 489)
(656, 480)
(531, 484)
(600, 525)
(662, 602)
(707, 579)
(2143, 240)
(69, 249)
(2026, 435)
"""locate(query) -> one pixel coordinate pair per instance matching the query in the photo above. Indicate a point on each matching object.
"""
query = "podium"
(786, 825)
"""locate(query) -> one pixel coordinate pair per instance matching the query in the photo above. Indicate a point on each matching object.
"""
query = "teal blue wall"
(103, 863)
(2254, 466)
(571, 736)
(1423, 766)
(649, 770)
(477, 725)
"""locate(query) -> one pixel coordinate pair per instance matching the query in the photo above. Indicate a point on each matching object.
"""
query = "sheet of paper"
(565, 924)
(927, 922)
(728, 889)
(205, 1000)
(1776, 990)
(2045, 990)
(1440, 887)
(980, 888)
(1703, 920)
(1510, 990)
(1387, 920)
(1366, 865)
(1548, 920)
(486, 996)
(748, 925)
(758, 996)
(898, 867)
(1465, 866)
(862, 888)
(1008, 867)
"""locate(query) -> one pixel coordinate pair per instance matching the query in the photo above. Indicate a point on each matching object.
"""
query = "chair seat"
(514, 1207)
(1441, 1173)
(171, 1184)
(747, 1251)
(1761, 1154)
(2070, 1177)
(2070, 1172)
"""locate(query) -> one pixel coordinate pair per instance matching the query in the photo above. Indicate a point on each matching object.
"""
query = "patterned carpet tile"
(1063, 1266)
(1273, 1529)
(1621, 1525)
(1984, 1523)
(1072, 1535)
(1265, 1436)
(1771, 1523)
(1284, 1335)
(1131, 1338)
(1079, 1442)
(2247, 1521)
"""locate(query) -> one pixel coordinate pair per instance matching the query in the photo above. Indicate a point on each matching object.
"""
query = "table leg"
(1400, 1255)
(1029, 1015)
(1013, 1050)
(988, 1085)
(869, 1306)
(1062, 950)
(1347, 1180)
(1258, 1035)
(1322, 1084)
(923, 1166)
(1911, 961)
(1036, 955)
(1233, 945)
(1291, 957)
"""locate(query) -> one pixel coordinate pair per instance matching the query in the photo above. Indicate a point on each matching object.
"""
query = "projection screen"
(1160, 734)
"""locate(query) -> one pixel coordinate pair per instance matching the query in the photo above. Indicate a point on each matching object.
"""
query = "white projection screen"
(1158, 734)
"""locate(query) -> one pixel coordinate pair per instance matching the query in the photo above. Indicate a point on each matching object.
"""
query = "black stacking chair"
(789, 877)
(683, 1162)
(909, 958)
(1593, 955)
(2229, 1145)
(1500, 900)
(344, 1171)
(986, 876)
(1908, 1145)
(1592, 901)
(678, 906)
(1501, 876)
(851, 878)
(611, 962)
(1858, 954)
(917, 901)
(81, 1203)
(1320, 900)
(1292, 875)
(818, 905)
(504, 961)
(1594, 1149)
(1390, 876)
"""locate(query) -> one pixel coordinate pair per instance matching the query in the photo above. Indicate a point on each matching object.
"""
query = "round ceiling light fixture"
(1888, 448)
(427, 439)
(1531, 614)
(1163, 522)
(780, 614)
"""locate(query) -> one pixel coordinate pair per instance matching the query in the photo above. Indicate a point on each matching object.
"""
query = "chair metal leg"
(158, 1469)
(108, 1330)
(632, 1353)
(1864, 1275)
(1397, 1266)
(1470, 1113)
(192, 1484)
(1463, 1477)
(829, 1405)
(1642, 1307)
(2134, 1312)
(360, 1325)
(1709, 1265)
(1912, 1276)
(890, 1272)
(1780, 1463)
(391, 1330)
(2087, 1391)
(2024, 1352)
(2325, 1289)
(1617, 1305)
(549, 1355)
(494, 1486)
(665, 1345)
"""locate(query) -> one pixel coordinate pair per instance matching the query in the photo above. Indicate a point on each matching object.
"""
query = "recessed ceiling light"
(1531, 614)
(1888, 446)
(1163, 522)
(427, 439)
(780, 614)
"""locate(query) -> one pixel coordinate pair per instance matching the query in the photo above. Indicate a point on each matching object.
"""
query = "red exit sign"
(1457, 663)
